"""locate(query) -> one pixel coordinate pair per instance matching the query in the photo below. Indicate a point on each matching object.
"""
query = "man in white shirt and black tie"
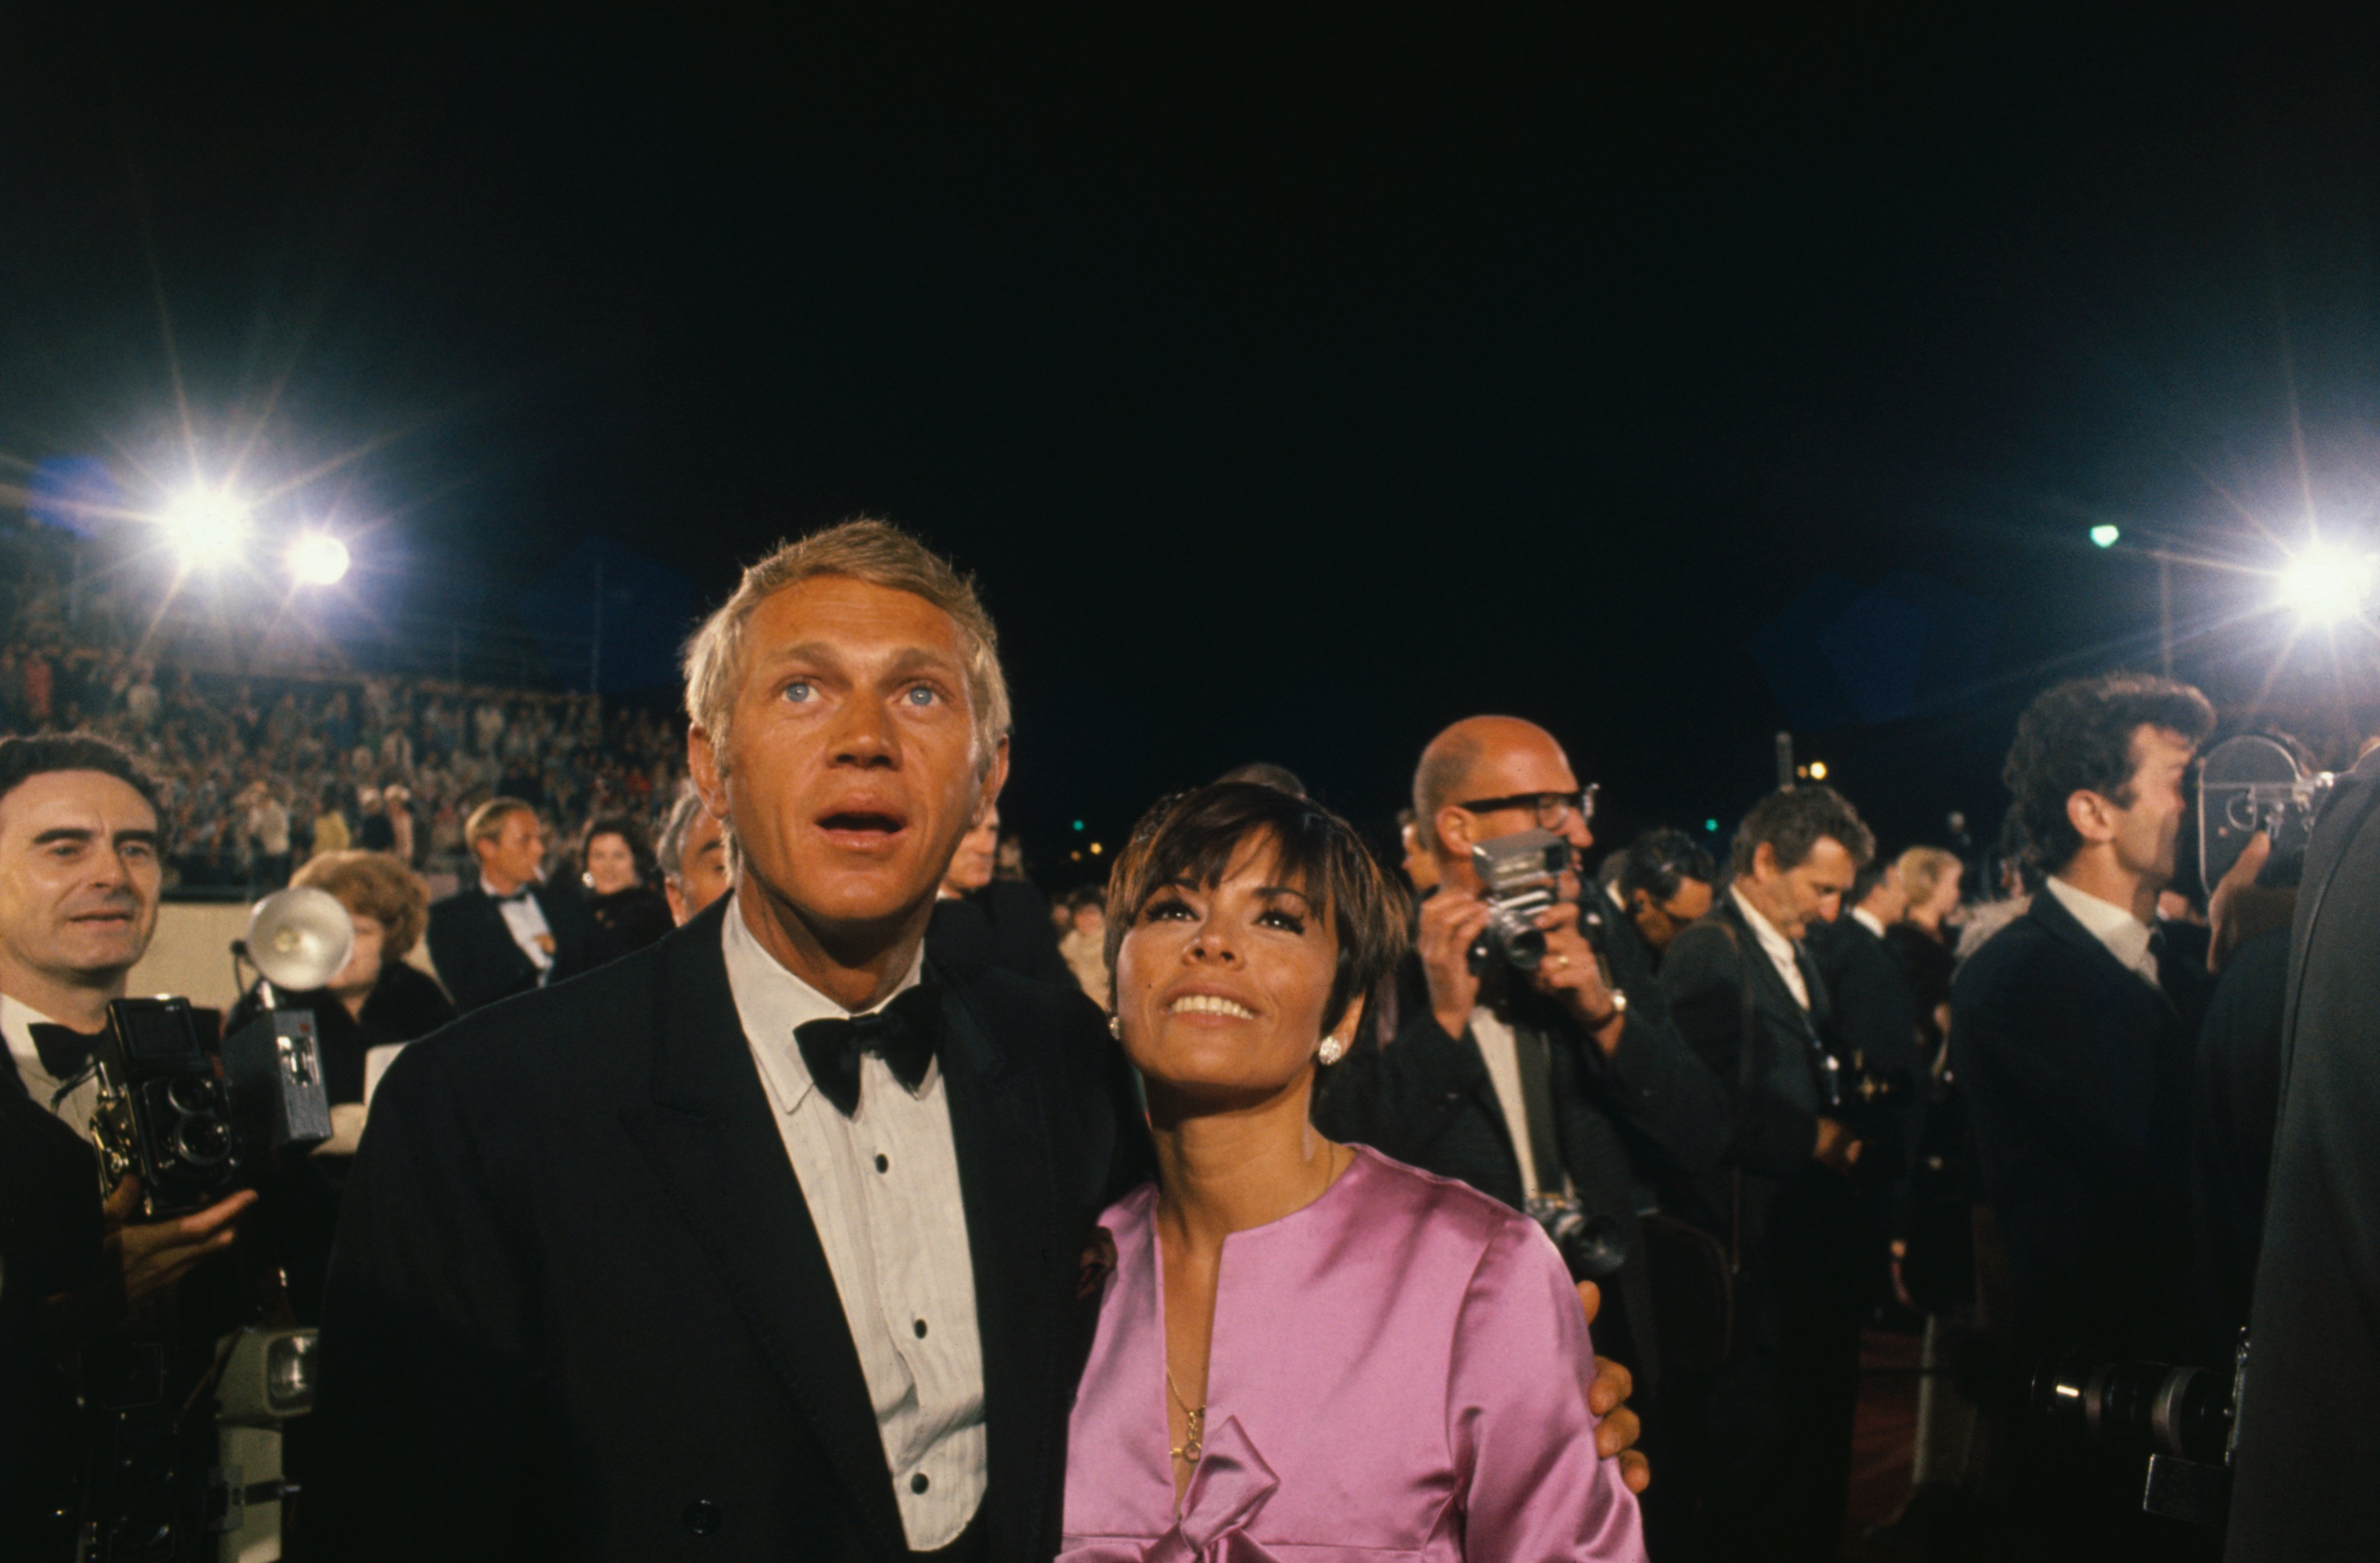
(510, 933)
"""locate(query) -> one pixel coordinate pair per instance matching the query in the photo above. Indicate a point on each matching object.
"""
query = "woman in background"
(629, 914)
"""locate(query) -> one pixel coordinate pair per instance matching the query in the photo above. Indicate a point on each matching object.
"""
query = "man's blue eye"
(799, 689)
(920, 695)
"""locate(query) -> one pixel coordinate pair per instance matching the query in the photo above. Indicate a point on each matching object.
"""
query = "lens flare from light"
(318, 560)
(206, 528)
(2327, 582)
(2104, 536)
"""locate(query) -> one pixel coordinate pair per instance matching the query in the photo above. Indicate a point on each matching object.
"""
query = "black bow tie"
(520, 894)
(66, 1052)
(903, 1033)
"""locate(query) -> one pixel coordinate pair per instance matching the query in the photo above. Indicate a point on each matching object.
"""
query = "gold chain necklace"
(1194, 1424)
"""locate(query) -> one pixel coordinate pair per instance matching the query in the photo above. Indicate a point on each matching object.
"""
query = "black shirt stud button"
(702, 1516)
(884, 1163)
(919, 1484)
(921, 1329)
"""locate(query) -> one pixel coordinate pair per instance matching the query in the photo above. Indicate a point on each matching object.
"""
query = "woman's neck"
(1229, 1169)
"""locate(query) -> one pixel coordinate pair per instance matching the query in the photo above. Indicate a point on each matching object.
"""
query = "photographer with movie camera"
(2072, 1033)
(1801, 1250)
(1534, 1059)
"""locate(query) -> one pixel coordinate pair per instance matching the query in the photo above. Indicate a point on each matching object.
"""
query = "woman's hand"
(1617, 1432)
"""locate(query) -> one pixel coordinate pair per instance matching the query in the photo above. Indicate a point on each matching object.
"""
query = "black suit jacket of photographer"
(2077, 1074)
(1648, 1112)
(2304, 1485)
(1873, 1009)
(1790, 1203)
(578, 1308)
(480, 961)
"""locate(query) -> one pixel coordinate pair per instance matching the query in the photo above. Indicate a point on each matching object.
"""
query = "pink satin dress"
(1399, 1370)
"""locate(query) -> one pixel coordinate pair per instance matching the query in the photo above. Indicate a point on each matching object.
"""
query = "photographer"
(1663, 887)
(79, 873)
(1750, 1001)
(2072, 1033)
(1551, 1082)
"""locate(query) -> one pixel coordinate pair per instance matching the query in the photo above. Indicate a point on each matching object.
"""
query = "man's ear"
(1764, 862)
(703, 769)
(995, 776)
(1452, 828)
(2091, 815)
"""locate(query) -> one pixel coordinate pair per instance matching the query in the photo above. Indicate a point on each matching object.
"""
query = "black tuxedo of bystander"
(480, 960)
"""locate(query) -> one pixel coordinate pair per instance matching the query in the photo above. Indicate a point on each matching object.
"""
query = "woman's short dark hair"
(629, 832)
(2078, 738)
(1659, 862)
(22, 759)
(1791, 823)
(1191, 838)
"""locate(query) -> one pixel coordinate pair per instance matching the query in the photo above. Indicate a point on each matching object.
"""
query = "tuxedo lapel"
(1009, 1188)
(712, 1141)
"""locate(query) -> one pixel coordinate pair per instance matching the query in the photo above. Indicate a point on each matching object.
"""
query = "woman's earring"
(1115, 1027)
(1332, 1050)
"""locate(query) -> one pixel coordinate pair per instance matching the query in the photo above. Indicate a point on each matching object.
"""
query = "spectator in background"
(1085, 945)
(628, 913)
(1933, 880)
(266, 827)
(1420, 868)
(507, 934)
(331, 825)
(396, 803)
(1008, 859)
(374, 833)
(1664, 886)
(692, 857)
(982, 921)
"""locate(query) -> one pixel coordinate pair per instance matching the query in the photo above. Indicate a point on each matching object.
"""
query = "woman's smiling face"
(1221, 988)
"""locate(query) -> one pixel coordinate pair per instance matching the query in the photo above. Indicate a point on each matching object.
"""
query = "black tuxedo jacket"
(473, 949)
(1006, 923)
(578, 1308)
(2077, 1075)
(1873, 1008)
(2303, 1487)
(1648, 1112)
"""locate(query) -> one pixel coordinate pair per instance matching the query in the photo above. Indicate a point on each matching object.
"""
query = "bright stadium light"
(2327, 582)
(2104, 536)
(205, 528)
(318, 560)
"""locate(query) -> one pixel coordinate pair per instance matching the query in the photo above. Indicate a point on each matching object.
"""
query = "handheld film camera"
(2252, 782)
(1518, 877)
(195, 1122)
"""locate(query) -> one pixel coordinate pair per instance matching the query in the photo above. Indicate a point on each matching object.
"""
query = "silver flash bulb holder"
(300, 938)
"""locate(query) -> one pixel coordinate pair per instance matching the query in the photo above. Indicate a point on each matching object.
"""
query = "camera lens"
(191, 1095)
(201, 1140)
(1525, 947)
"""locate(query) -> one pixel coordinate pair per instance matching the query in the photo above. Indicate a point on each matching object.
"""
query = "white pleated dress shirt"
(1776, 946)
(525, 919)
(882, 1187)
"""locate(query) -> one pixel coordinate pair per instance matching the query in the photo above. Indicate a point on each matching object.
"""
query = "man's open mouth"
(861, 828)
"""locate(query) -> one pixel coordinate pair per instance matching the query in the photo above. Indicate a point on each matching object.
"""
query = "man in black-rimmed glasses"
(1566, 1079)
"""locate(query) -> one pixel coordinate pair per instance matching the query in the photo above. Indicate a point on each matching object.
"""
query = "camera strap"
(1534, 1056)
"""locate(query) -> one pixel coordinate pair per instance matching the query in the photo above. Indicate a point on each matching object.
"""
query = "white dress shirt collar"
(2124, 936)
(1779, 949)
(773, 1002)
(1869, 921)
(17, 1022)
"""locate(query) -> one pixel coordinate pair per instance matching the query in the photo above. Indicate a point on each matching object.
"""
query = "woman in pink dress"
(1306, 1350)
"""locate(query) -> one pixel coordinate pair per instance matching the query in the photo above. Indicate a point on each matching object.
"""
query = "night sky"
(1290, 387)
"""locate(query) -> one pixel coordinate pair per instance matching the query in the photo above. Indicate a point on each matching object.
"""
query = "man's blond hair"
(868, 549)
(487, 821)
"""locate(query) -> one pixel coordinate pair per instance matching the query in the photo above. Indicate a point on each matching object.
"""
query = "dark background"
(1293, 386)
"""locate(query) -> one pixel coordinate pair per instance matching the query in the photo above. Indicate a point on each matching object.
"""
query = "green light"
(1078, 824)
(2104, 535)
(1711, 825)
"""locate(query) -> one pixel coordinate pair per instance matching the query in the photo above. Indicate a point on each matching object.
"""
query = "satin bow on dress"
(1397, 1370)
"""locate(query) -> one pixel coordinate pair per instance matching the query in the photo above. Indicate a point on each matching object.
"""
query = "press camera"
(2182, 1419)
(1591, 1245)
(1519, 875)
(2252, 782)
